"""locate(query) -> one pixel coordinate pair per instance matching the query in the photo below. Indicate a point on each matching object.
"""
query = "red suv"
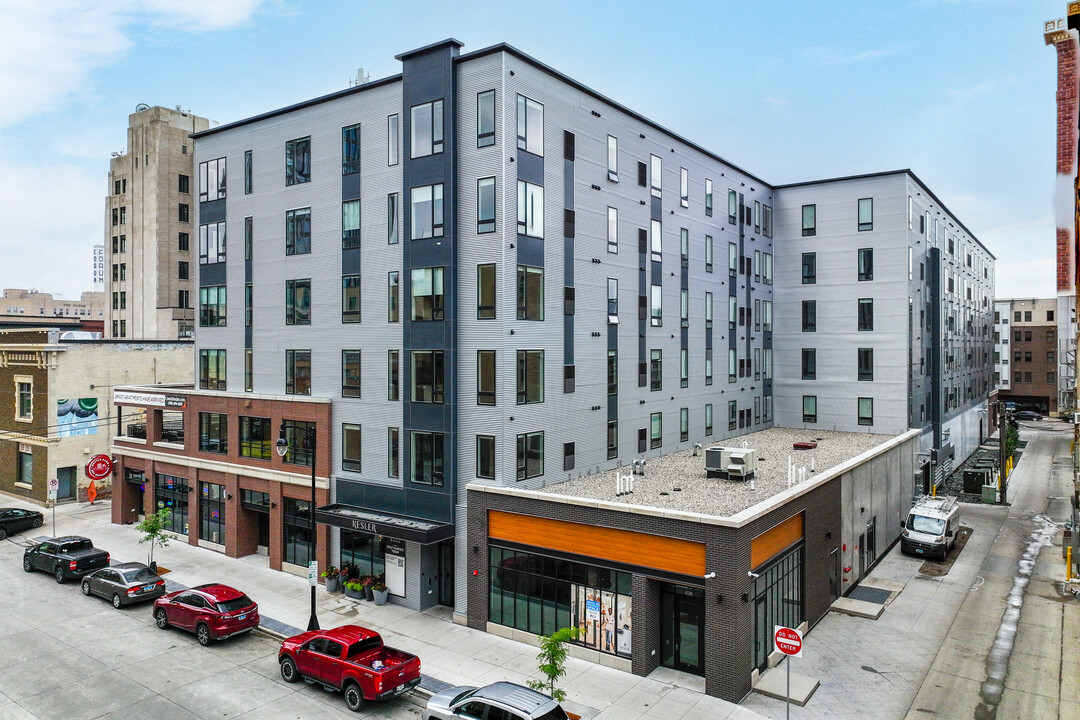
(212, 612)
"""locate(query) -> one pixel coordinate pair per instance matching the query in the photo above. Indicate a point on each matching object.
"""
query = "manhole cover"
(868, 594)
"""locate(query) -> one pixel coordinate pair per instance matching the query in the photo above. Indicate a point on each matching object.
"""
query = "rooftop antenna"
(360, 79)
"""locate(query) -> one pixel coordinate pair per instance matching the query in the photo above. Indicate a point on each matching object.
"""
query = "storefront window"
(777, 600)
(171, 493)
(363, 552)
(212, 513)
(297, 521)
(541, 594)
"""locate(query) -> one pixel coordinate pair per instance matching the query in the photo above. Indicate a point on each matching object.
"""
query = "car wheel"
(37, 522)
(86, 588)
(203, 634)
(27, 566)
(354, 699)
(59, 575)
(3, 533)
(116, 601)
(161, 619)
(288, 670)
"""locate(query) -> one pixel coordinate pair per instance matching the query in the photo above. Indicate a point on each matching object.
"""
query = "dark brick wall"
(645, 644)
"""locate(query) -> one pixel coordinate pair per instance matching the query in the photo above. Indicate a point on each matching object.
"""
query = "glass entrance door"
(446, 573)
(682, 628)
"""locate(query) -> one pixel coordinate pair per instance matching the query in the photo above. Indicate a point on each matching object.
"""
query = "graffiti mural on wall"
(77, 417)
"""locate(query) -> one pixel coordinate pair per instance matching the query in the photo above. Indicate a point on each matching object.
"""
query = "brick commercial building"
(1028, 349)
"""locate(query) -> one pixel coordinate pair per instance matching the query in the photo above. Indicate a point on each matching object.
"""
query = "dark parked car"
(65, 557)
(124, 584)
(13, 520)
(212, 612)
(1028, 415)
(501, 700)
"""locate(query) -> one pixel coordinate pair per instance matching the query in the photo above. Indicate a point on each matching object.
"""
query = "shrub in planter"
(380, 591)
(330, 575)
(368, 581)
(354, 589)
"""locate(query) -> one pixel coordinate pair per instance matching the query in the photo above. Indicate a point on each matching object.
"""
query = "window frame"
(293, 308)
(524, 440)
(351, 373)
(486, 378)
(298, 231)
(530, 223)
(530, 376)
(436, 200)
(486, 193)
(809, 220)
(866, 214)
(426, 115)
(351, 463)
(293, 175)
(485, 137)
(529, 137)
(435, 309)
(294, 378)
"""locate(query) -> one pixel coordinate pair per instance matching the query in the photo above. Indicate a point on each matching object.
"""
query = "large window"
(656, 369)
(171, 493)
(485, 292)
(530, 209)
(809, 408)
(427, 458)
(809, 220)
(612, 158)
(350, 149)
(427, 293)
(866, 313)
(809, 316)
(612, 372)
(350, 298)
(427, 376)
(211, 243)
(297, 372)
(656, 167)
(350, 224)
(298, 302)
(297, 531)
(530, 125)
(708, 253)
(613, 230)
(24, 409)
(298, 161)
(530, 293)
(485, 456)
(809, 364)
(530, 376)
(350, 373)
(212, 369)
(613, 300)
(256, 439)
(809, 268)
(777, 595)
(656, 240)
(709, 419)
(656, 430)
(656, 305)
(299, 434)
(866, 264)
(530, 455)
(732, 206)
(211, 180)
(866, 411)
(427, 211)
(363, 552)
(866, 214)
(298, 231)
(427, 129)
(866, 363)
(212, 512)
(213, 432)
(485, 205)
(485, 377)
(485, 118)
(350, 447)
(25, 468)
(212, 306)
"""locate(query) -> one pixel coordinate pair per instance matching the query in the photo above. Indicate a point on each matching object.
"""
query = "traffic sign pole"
(789, 642)
(54, 485)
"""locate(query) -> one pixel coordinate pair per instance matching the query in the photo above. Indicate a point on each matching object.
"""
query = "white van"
(931, 527)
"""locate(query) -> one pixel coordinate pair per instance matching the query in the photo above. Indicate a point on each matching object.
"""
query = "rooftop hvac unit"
(714, 461)
(740, 463)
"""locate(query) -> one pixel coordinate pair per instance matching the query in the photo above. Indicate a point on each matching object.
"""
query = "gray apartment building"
(480, 278)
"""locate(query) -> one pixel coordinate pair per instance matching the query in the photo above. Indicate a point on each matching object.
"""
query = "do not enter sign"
(788, 641)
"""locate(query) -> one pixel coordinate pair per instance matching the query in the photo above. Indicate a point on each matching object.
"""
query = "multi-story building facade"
(39, 307)
(1028, 330)
(481, 272)
(1002, 335)
(149, 214)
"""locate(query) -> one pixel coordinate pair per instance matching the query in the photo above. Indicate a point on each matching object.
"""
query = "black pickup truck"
(65, 557)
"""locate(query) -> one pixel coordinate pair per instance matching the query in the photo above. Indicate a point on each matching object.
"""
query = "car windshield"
(139, 575)
(76, 546)
(928, 525)
(233, 605)
(555, 713)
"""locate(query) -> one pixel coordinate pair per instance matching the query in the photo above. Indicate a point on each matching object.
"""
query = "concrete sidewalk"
(449, 653)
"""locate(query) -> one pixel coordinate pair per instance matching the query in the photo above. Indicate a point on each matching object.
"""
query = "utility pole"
(1002, 430)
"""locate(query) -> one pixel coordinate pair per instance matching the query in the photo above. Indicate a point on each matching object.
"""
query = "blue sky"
(960, 91)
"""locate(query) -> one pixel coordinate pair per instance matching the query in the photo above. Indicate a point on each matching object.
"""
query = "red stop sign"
(788, 641)
(99, 467)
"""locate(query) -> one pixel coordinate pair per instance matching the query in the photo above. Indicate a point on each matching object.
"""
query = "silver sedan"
(124, 584)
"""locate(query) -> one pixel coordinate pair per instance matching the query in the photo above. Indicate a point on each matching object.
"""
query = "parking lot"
(69, 656)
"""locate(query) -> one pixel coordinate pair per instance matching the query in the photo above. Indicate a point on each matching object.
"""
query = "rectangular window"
(249, 370)
(733, 414)
(211, 369)
(426, 129)
(530, 293)
(656, 240)
(247, 172)
(427, 211)
(866, 214)
(184, 183)
(350, 373)
(298, 302)
(866, 264)
(612, 439)
(569, 456)
(530, 209)
(708, 310)
(391, 219)
(612, 158)
(866, 313)
(393, 384)
(612, 230)
(427, 458)
(427, 376)
(732, 206)
(708, 366)
(684, 307)
(530, 455)
(684, 424)
(612, 372)
(656, 369)
(298, 231)
(393, 452)
(485, 457)
(485, 292)
(766, 221)
(25, 402)
(733, 312)
(655, 171)
(392, 140)
(350, 224)
(809, 268)
(684, 368)
(182, 270)
(392, 297)
(809, 408)
(708, 253)
(350, 447)
(732, 365)
(255, 437)
(211, 181)
(613, 300)
(485, 118)
(530, 376)
(183, 241)
(249, 238)
(866, 408)
(684, 245)
(211, 243)
(123, 213)
(530, 125)
(708, 197)
(809, 364)
(427, 294)
(298, 161)
(866, 363)
(733, 259)
(485, 377)
(809, 220)
(809, 316)
(212, 306)
(656, 430)
(656, 306)
(684, 187)
(297, 372)
(485, 205)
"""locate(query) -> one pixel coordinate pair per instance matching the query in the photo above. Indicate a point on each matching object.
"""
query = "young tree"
(552, 655)
(153, 529)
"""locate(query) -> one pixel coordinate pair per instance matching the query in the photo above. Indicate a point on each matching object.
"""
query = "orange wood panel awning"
(775, 540)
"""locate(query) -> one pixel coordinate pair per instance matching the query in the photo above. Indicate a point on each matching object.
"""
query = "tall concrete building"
(148, 228)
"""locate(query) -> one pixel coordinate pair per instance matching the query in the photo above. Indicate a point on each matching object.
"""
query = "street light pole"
(282, 447)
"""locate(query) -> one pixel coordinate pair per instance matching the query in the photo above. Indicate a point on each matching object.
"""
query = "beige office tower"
(149, 280)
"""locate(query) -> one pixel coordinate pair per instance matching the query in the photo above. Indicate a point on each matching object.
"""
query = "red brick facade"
(1066, 149)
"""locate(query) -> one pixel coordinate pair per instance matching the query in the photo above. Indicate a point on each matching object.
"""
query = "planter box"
(332, 583)
(380, 596)
(354, 594)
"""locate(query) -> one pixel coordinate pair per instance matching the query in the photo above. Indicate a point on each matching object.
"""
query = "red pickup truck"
(351, 659)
